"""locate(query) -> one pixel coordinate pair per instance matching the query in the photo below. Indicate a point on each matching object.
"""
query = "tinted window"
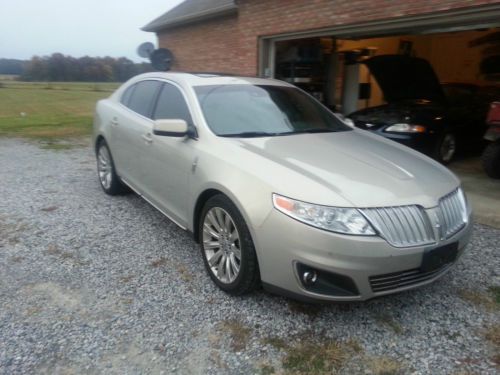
(248, 110)
(126, 95)
(143, 96)
(171, 105)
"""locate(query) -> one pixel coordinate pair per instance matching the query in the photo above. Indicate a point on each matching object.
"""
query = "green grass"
(49, 111)
(495, 291)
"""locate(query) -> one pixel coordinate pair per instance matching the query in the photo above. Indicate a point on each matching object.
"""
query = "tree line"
(60, 68)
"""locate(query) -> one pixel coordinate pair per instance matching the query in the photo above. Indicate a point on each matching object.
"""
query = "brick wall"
(230, 44)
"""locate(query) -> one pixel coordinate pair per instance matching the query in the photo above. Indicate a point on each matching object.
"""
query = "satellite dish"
(145, 50)
(161, 59)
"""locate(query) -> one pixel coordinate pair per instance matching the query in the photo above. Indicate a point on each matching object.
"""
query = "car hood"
(350, 169)
(403, 77)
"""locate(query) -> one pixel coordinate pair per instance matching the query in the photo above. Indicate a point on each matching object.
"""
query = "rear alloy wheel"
(491, 160)
(446, 148)
(227, 247)
(108, 178)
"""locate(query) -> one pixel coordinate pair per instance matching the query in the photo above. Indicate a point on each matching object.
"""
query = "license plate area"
(438, 257)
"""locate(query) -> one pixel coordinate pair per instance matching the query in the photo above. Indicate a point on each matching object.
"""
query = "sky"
(77, 27)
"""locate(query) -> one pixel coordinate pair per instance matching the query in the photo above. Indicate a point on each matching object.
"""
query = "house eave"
(192, 18)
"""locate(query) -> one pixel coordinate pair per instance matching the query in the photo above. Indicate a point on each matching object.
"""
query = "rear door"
(132, 129)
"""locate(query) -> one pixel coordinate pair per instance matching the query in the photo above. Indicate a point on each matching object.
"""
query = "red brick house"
(256, 37)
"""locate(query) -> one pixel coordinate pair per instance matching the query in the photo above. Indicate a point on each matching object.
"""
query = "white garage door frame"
(480, 17)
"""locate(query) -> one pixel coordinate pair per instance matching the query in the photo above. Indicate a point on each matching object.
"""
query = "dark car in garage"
(420, 112)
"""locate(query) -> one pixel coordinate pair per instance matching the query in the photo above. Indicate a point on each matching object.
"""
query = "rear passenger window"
(171, 105)
(125, 99)
(143, 97)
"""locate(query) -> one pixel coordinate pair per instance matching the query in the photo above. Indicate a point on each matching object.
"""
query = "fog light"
(325, 282)
(309, 277)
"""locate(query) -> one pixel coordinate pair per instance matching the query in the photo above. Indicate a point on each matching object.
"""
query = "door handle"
(114, 121)
(147, 138)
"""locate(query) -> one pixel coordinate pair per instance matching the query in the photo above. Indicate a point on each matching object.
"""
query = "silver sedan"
(278, 190)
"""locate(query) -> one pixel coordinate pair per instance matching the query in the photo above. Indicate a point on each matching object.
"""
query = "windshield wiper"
(312, 130)
(266, 134)
(250, 135)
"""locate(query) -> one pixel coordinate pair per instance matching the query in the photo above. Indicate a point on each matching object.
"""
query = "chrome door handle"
(147, 138)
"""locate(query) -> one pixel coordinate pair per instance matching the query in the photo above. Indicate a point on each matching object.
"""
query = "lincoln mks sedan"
(279, 191)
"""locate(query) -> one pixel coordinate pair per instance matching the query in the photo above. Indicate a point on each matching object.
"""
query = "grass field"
(49, 112)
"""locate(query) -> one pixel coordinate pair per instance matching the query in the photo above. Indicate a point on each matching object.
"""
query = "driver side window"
(171, 105)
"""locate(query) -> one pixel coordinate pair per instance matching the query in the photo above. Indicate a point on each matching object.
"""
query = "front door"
(169, 160)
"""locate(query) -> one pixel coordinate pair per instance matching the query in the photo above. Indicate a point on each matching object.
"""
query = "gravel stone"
(97, 284)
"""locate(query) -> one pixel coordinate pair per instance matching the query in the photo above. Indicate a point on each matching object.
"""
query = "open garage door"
(428, 88)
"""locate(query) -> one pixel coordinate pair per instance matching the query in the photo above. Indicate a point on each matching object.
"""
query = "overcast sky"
(77, 27)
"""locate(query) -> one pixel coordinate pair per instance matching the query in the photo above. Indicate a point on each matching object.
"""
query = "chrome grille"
(391, 281)
(401, 226)
(453, 213)
(406, 226)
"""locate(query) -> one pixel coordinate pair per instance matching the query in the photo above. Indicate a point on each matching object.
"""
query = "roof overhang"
(163, 22)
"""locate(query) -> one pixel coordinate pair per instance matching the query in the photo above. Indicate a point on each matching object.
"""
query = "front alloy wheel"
(221, 243)
(227, 247)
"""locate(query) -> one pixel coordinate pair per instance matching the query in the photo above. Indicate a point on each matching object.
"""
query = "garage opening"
(405, 87)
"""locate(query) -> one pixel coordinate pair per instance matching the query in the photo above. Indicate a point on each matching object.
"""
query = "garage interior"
(330, 68)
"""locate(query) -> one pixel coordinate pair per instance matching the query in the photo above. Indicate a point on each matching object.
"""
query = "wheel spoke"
(215, 258)
(213, 221)
(227, 223)
(220, 268)
(209, 230)
(210, 245)
(220, 219)
(235, 266)
(228, 269)
(234, 237)
(236, 252)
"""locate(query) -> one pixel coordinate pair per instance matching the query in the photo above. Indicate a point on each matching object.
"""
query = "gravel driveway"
(95, 284)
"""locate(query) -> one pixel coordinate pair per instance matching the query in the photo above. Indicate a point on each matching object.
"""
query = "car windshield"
(263, 111)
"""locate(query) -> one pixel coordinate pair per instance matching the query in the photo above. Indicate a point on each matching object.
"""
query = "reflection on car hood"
(352, 168)
(403, 77)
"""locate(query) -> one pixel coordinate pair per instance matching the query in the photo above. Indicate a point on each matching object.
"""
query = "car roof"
(208, 79)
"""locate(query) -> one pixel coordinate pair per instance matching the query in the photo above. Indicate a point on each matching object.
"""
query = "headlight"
(406, 128)
(334, 219)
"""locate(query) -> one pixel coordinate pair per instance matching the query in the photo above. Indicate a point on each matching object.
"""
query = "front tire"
(109, 180)
(227, 247)
(446, 148)
(491, 160)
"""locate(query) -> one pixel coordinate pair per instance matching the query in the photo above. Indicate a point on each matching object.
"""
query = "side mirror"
(170, 128)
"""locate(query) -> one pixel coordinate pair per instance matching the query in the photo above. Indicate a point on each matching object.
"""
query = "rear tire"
(491, 160)
(106, 172)
(227, 247)
(446, 148)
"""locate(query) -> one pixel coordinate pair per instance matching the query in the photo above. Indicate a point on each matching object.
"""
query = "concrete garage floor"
(483, 192)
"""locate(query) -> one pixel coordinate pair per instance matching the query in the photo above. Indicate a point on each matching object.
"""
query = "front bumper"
(282, 243)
